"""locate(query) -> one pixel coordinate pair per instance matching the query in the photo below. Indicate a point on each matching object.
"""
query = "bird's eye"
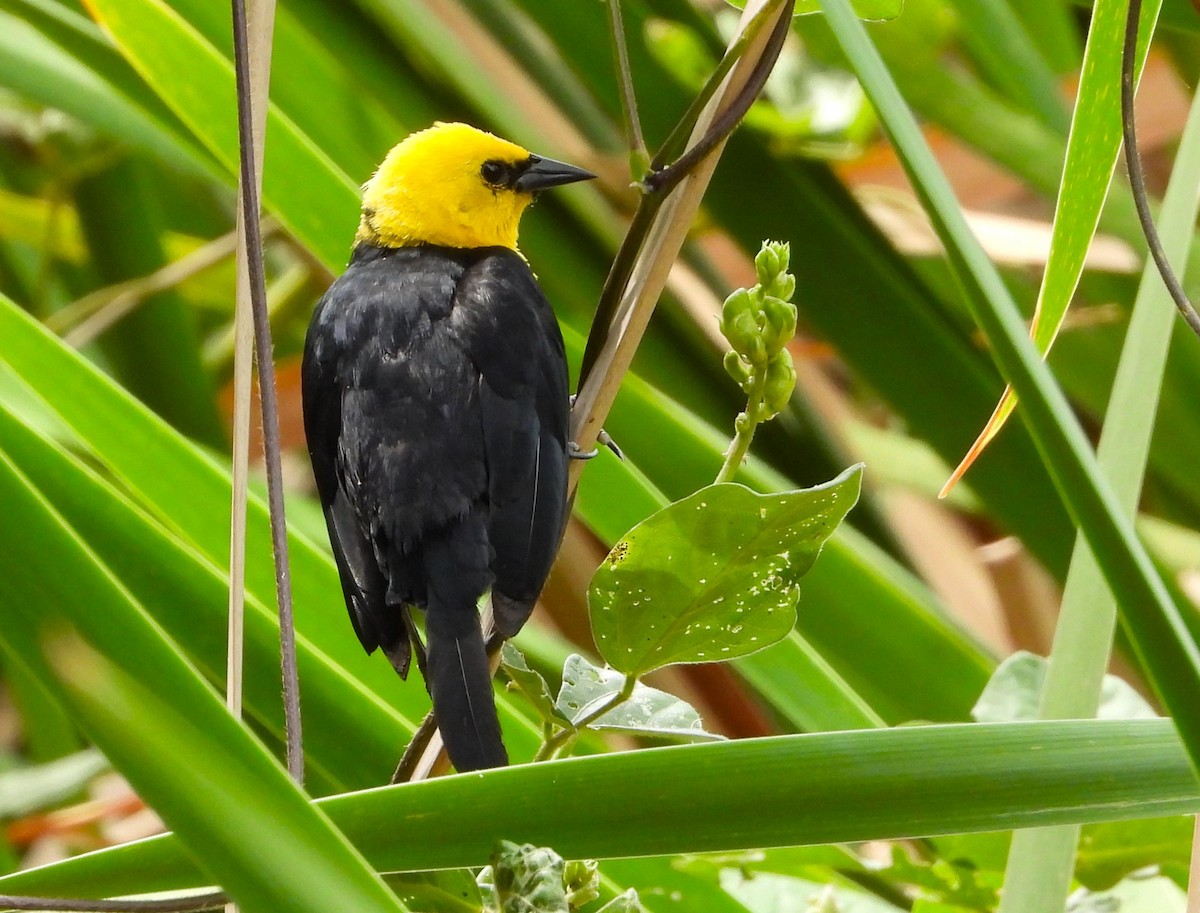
(493, 172)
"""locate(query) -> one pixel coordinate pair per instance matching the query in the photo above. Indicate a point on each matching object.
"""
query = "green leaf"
(714, 576)
(351, 731)
(1092, 148)
(648, 711)
(446, 891)
(1109, 852)
(952, 882)
(62, 60)
(29, 789)
(884, 657)
(781, 791)
(73, 626)
(311, 195)
(802, 686)
(530, 683)
(1014, 692)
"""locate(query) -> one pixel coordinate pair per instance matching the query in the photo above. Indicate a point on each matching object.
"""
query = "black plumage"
(436, 408)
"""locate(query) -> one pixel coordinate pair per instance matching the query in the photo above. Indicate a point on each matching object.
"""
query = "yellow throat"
(431, 189)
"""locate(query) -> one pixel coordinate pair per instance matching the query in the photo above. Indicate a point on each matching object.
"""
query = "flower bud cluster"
(759, 322)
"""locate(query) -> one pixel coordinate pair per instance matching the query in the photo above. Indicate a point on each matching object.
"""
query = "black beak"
(543, 173)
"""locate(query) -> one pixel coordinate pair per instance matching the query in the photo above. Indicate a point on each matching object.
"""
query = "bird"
(436, 405)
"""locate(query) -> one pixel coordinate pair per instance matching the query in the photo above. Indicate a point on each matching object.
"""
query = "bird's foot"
(575, 453)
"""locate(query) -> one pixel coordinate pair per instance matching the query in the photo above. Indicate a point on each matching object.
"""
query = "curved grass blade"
(311, 195)
(1092, 148)
(72, 625)
(781, 791)
(1156, 628)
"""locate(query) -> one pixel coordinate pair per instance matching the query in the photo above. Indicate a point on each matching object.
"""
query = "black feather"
(435, 404)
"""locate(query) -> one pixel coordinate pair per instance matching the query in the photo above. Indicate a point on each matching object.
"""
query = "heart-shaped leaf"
(648, 711)
(714, 576)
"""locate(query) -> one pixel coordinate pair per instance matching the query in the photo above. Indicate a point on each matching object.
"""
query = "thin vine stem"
(1137, 184)
(743, 431)
(646, 215)
(267, 394)
(665, 179)
(1137, 179)
(676, 142)
(638, 156)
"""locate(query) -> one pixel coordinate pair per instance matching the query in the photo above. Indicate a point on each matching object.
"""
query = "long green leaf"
(1156, 629)
(123, 227)
(61, 59)
(72, 625)
(311, 195)
(781, 791)
(352, 737)
(1041, 861)
(1007, 53)
(1092, 148)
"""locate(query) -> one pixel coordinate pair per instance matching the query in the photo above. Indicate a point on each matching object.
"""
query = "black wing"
(511, 334)
(367, 376)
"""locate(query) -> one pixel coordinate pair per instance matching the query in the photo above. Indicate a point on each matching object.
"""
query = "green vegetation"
(118, 154)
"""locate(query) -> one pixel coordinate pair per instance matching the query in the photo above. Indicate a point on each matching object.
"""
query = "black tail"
(460, 684)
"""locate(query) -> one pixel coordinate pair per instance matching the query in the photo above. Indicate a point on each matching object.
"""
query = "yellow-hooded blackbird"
(436, 405)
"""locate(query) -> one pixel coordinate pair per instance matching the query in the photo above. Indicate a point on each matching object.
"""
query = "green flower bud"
(783, 249)
(780, 384)
(736, 368)
(737, 303)
(581, 877)
(783, 287)
(766, 264)
(745, 336)
(780, 323)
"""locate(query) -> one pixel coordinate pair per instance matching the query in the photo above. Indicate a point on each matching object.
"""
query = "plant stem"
(639, 158)
(744, 430)
(186, 904)
(564, 736)
(1137, 180)
(650, 248)
(676, 142)
(724, 123)
(266, 382)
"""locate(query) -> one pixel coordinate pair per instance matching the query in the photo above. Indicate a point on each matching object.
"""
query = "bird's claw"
(606, 439)
(574, 453)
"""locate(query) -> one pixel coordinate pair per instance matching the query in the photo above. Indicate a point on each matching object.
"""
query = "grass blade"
(781, 791)
(1156, 629)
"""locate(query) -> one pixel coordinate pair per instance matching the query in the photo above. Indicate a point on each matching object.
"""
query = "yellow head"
(456, 186)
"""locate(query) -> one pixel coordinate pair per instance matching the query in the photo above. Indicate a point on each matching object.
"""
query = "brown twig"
(267, 393)
(1137, 179)
(191, 903)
